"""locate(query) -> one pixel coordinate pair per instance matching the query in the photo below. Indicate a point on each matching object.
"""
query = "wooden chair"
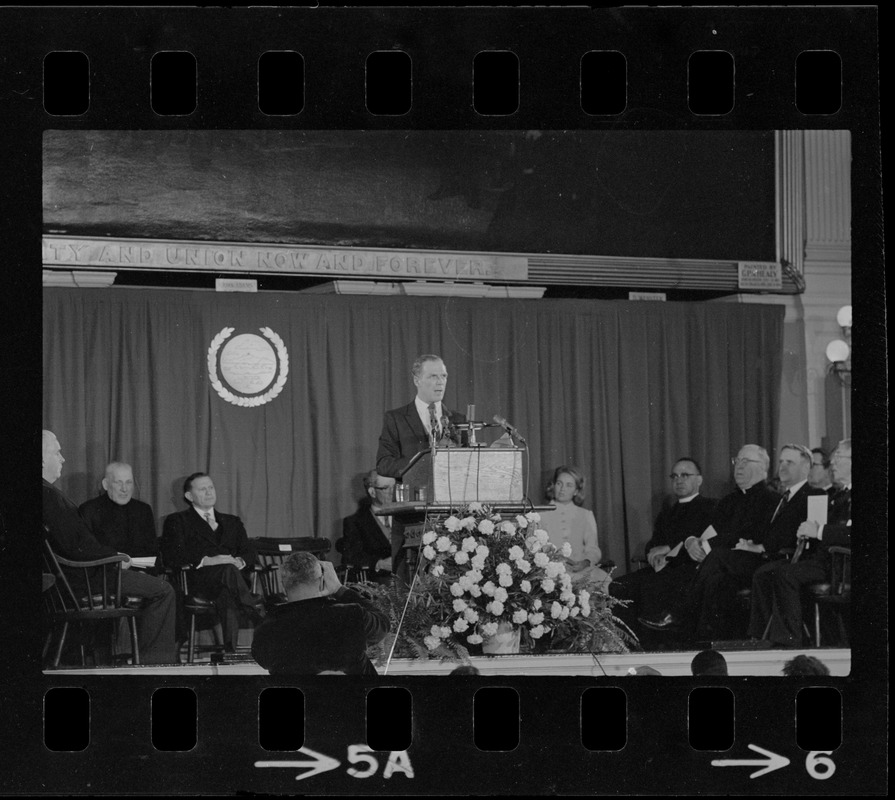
(836, 594)
(349, 573)
(271, 552)
(98, 597)
(193, 607)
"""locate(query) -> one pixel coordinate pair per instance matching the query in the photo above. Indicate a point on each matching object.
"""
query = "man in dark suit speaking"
(409, 429)
(324, 627)
(216, 547)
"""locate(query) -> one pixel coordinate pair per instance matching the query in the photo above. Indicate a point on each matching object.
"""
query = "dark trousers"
(712, 608)
(777, 595)
(155, 623)
(225, 585)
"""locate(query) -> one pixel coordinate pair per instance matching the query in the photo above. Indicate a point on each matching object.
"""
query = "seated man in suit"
(117, 519)
(325, 627)
(368, 536)
(821, 476)
(742, 514)
(410, 429)
(777, 587)
(735, 556)
(70, 538)
(217, 548)
(654, 588)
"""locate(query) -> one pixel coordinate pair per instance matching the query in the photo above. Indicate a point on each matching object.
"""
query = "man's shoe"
(667, 623)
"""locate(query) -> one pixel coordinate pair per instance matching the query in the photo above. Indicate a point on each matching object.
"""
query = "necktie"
(209, 518)
(433, 420)
(780, 506)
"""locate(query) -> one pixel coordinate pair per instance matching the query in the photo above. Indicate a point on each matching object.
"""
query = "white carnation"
(460, 625)
(520, 616)
(429, 537)
(452, 524)
(459, 604)
(432, 642)
(537, 632)
(474, 638)
(495, 607)
(525, 586)
(461, 557)
(469, 544)
(456, 590)
(555, 610)
(500, 594)
(523, 566)
(486, 527)
(566, 549)
(442, 544)
(505, 580)
(489, 628)
(548, 585)
(429, 552)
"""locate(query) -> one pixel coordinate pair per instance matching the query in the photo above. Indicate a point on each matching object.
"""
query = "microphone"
(447, 429)
(508, 428)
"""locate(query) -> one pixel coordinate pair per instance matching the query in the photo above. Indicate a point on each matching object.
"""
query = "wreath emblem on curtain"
(248, 370)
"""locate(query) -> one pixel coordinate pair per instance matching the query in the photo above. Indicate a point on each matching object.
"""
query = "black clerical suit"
(758, 514)
(404, 435)
(777, 586)
(366, 542)
(652, 592)
(305, 637)
(187, 538)
(129, 528)
(70, 538)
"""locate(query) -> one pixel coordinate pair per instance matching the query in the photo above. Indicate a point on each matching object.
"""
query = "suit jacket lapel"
(415, 423)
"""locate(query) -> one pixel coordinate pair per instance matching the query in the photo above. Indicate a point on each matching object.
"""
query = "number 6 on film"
(819, 766)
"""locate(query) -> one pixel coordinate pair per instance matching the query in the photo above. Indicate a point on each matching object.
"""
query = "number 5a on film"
(364, 763)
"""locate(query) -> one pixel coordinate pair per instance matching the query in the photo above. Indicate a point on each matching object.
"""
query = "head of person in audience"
(379, 488)
(805, 665)
(793, 464)
(567, 486)
(118, 483)
(465, 669)
(686, 477)
(644, 670)
(302, 576)
(430, 378)
(820, 476)
(708, 662)
(751, 466)
(199, 491)
(840, 463)
(52, 457)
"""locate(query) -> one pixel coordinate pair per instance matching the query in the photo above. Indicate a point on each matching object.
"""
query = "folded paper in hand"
(143, 562)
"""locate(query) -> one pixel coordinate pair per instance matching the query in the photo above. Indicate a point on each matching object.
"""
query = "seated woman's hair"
(805, 665)
(577, 475)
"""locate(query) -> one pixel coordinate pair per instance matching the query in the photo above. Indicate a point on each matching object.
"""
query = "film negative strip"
(75, 79)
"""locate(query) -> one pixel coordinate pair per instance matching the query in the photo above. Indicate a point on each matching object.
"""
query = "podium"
(460, 475)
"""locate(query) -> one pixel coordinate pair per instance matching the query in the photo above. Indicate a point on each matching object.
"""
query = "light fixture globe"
(843, 317)
(837, 351)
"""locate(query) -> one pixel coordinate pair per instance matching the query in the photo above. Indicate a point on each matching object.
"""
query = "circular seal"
(249, 364)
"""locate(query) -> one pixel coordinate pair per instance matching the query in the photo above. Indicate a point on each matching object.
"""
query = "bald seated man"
(70, 538)
(117, 518)
(325, 627)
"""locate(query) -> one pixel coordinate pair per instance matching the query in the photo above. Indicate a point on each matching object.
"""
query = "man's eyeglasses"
(739, 461)
(683, 475)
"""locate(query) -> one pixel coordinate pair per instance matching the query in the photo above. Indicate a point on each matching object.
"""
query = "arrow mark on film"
(318, 763)
(771, 761)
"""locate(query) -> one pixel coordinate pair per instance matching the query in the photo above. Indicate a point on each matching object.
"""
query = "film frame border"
(228, 36)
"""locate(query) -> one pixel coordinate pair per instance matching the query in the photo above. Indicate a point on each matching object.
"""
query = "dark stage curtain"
(619, 388)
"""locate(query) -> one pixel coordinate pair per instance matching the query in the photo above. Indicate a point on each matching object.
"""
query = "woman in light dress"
(569, 522)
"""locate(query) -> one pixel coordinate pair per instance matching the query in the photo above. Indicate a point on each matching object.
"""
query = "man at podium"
(409, 429)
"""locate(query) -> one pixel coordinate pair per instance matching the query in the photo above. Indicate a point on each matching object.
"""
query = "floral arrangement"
(489, 573)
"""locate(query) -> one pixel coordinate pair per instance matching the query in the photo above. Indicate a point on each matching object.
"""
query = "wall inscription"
(74, 252)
